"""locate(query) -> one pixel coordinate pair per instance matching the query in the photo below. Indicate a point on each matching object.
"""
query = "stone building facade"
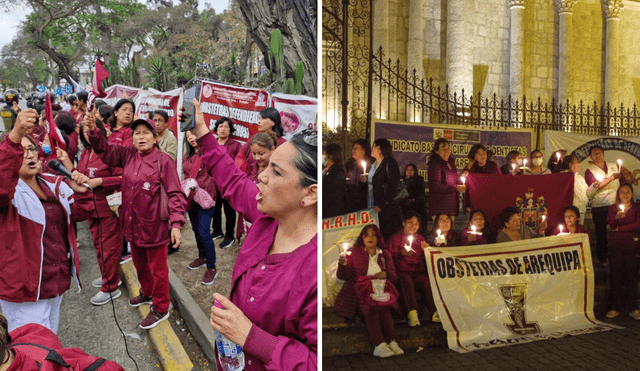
(585, 50)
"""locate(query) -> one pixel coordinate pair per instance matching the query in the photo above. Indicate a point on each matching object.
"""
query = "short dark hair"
(65, 122)
(71, 98)
(511, 155)
(222, 120)
(410, 214)
(162, 113)
(572, 208)
(437, 144)
(567, 160)
(507, 213)
(415, 170)
(106, 112)
(83, 96)
(619, 188)
(474, 149)
(365, 145)
(595, 147)
(534, 151)
(385, 146)
(99, 103)
(334, 151)
(360, 240)
(273, 115)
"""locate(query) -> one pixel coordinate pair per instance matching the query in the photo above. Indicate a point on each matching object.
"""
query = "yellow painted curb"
(169, 348)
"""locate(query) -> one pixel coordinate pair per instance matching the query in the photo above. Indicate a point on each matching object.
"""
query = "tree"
(294, 19)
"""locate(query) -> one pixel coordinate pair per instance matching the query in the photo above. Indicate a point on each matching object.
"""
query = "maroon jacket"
(357, 266)
(140, 210)
(233, 147)
(624, 231)
(123, 136)
(413, 263)
(443, 178)
(489, 168)
(72, 148)
(205, 181)
(480, 240)
(93, 167)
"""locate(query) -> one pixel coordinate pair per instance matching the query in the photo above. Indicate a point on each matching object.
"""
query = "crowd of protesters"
(126, 185)
(394, 253)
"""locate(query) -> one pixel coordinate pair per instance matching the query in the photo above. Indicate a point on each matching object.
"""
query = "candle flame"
(558, 154)
(473, 228)
(560, 227)
(439, 232)
(544, 217)
(513, 166)
(345, 246)
(524, 162)
(364, 166)
(463, 180)
(619, 162)
(622, 208)
(599, 177)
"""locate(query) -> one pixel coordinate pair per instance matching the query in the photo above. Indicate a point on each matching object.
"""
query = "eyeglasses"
(34, 149)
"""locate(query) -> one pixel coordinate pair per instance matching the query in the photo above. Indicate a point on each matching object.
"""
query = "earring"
(302, 203)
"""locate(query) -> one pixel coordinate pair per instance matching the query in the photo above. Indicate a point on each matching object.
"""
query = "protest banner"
(242, 105)
(412, 143)
(626, 149)
(297, 112)
(515, 292)
(117, 92)
(533, 195)
(336, 232)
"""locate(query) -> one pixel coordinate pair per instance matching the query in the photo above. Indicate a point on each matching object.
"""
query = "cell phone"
(188, 120)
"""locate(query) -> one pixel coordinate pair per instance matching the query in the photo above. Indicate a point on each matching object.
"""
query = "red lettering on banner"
(338, 222)
(326, 224)
(351, 219)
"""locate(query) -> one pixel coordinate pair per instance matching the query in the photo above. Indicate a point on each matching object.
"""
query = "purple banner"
(412, 143)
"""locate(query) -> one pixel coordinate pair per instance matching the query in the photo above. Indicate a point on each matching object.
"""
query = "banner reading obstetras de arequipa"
(514, 292)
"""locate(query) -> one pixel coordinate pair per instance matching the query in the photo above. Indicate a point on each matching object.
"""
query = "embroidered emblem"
(146, 186)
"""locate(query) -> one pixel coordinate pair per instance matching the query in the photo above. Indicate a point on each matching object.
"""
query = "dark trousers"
(378, 321)
(623, 264)
(107, 240)
(153, 274)
(229, 214)
(409, 282)
(200, 222)
(600, 220)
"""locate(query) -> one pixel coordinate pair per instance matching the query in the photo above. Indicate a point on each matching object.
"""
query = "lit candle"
(524, 162)
(543, 218)
(473, 229)
(622, 208)
(599, 177)
(344, 247)
(439, 232)
(463, 180)
(558, 155)
(560, 227)
(364, 166)
(619, 164)
(513, 167)
(408, 247)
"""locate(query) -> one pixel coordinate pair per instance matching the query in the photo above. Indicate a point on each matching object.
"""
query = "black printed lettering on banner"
(608, 143)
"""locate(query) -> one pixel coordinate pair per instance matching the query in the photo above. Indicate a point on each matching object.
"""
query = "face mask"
(46, 149)
(324, 160)
(537, 161)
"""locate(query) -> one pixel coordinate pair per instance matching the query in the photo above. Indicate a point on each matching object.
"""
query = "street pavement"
(93, 328)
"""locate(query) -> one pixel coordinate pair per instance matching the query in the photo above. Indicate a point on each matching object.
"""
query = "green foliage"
(278, 71)
(157, 72)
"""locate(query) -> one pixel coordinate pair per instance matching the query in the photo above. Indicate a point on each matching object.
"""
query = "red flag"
(533, 195)
(98, 76)
(55, 135)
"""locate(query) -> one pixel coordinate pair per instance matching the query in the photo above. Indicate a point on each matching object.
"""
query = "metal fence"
(402, 96)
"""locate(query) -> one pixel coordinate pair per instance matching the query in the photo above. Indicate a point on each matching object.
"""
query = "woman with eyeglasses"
(40, 255)
(272, 309)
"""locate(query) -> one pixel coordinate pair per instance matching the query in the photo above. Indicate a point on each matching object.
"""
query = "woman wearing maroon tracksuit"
(146, 170)
(103, 223)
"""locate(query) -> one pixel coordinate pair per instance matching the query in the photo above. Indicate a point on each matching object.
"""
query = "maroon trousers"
(378, 321)
(153, 274)
(409, 282)
(107, 240)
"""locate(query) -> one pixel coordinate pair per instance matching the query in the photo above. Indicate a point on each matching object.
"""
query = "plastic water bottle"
(230, 354)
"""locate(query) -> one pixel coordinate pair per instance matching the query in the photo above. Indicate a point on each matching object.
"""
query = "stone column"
(610, 11)
(565, 34)
(416, 37)
(516, 50)
(459, 62)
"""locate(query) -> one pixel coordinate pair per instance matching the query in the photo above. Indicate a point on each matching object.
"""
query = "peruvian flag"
(55, 135)
(533, 195)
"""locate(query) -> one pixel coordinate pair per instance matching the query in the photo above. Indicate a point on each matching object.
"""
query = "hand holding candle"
(441, 238)
(619, 165)
(622, 208)
(364, 167)
(408, 247)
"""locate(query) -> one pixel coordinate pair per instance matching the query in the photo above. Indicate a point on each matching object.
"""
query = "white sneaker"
(413, 319)
(102, 298)
(436, 317)
(395, 348)
(383, 351)
(98, 282)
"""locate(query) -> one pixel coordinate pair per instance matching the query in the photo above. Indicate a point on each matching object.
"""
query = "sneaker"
(436, 317)
(102, 298)
(395, 348)
(209, 276)
(613, 314)
(217, 235)
(635, 314)
(125, 259)
(413, 319)
(198, 263)
(383, 351)
(139, 300)
(153, 319)
(227, 242)
(98, 282)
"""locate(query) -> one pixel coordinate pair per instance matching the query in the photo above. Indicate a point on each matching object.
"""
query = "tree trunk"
(246, 53)
(293, 19)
